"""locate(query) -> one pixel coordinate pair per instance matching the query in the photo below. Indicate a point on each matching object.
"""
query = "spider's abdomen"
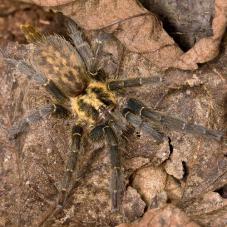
(58, 60)
(89, 106)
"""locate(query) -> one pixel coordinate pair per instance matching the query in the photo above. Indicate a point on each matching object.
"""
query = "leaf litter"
(137, 45)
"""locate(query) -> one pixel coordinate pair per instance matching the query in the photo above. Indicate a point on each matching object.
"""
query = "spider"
(68, 72)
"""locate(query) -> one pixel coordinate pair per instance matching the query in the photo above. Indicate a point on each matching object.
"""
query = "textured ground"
(183, 186)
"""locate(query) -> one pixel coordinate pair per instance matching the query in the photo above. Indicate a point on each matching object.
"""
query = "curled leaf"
(141, 31)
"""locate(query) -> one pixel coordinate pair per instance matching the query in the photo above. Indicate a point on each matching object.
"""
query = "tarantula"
(68, 72)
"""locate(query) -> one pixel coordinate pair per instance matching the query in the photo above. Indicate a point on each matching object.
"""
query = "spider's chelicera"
(68, 73)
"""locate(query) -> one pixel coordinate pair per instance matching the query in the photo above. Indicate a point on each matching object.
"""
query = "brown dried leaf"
(37, 162)
(141, 31)
(206, 49)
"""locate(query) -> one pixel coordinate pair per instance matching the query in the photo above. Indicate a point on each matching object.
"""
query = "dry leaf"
(207, 49)
(142, 32)
(37, 161)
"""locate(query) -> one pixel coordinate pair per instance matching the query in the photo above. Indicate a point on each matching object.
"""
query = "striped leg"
(81, 45)
(148, 127)
(24, 68)
(135, 82)
(117, 178)
(34, 117)
(140, 109)
(90, 58)
(77, 132)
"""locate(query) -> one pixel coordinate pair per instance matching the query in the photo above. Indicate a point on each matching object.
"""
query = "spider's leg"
(117, 178)
(134, 82)
(173, 89)
(140, 109)
(90, 58)
(75, 149)
(25, 68)
(149, 127)
(81, 45)
(34, 117)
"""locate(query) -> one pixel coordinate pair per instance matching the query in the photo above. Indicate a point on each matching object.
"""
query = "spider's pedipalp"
(117, 178)
(77, 133)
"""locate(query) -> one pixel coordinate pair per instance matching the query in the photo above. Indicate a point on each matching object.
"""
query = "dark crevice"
(168, 200)
(186, 170)
(225, 109)
(130, 182)
(222, 191)
(177, 17)
(138, 134)
(170, 147)
(130, 179)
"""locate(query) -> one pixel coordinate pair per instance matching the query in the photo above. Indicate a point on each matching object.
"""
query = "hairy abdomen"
(58, 60)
